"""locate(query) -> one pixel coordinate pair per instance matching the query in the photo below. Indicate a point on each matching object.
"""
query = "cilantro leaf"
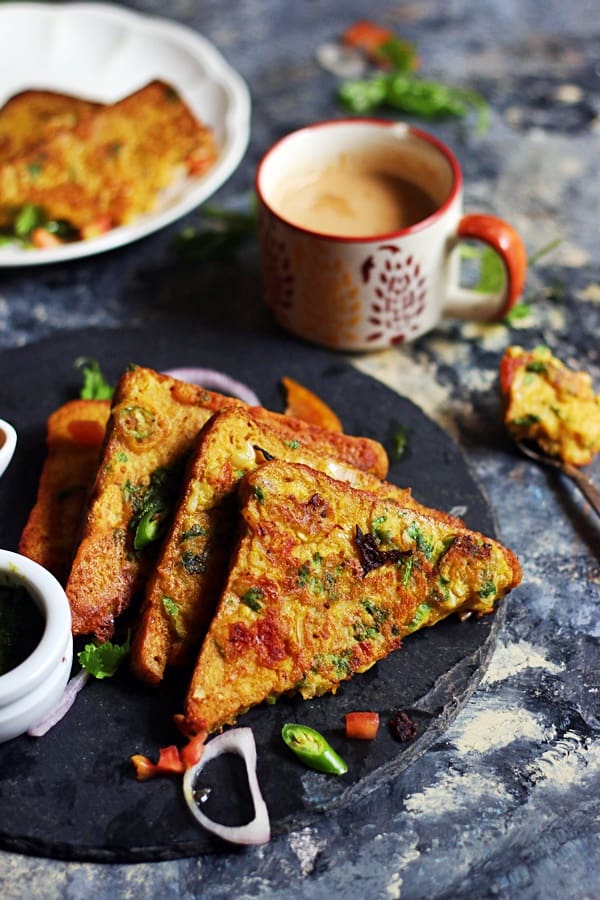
(491, 268)
(28, 218)
(418, 96)
(221, 231)
(398, 440)
(518, 312)
(103, 660)
(95, 386)
(401, 54)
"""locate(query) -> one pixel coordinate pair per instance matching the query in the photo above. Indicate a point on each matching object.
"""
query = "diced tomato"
(198, 164)
(171, 760)
(304, 404)
(86, 432)
(367, 36)
(44, 239)
(192, 752)
(362, 726)
(95, 228)
(381, 46)
(169, 763)
(508, 368)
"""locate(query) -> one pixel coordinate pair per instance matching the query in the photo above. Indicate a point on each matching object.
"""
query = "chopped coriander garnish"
(402, 54)
(488, 589)
(28, 218)
(103, 660)
(420, 617)
(341, 662)
(193, 563)
(491, 268)
(410, 94)
(221, 231)
(170, 607)
(35, 170)
(519, 311)
(362, 632)
(407, 571)
(252, 597)
(423, 544)
(95, 386)
(525, 421)
(303, 574)
(536, 365)
(398, 440)
(192, 532)
(378, 614)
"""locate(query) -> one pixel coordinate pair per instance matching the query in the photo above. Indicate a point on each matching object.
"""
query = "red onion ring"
(241, 741)
(213, 380)
(66, 701)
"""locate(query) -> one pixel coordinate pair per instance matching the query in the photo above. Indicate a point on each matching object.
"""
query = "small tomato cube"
(362, 726)
(43, 239)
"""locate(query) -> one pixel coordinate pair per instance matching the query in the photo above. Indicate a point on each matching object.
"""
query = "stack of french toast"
(266, 554)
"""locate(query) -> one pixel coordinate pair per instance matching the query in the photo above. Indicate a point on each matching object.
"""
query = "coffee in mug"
(356, 197)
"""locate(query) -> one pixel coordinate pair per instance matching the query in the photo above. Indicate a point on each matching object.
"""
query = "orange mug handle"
(509, 246)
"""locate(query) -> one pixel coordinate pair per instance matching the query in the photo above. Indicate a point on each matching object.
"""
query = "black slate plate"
(73, 794)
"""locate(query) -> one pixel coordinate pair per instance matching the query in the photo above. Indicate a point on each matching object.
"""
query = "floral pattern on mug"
(327, 305)
(399, 294)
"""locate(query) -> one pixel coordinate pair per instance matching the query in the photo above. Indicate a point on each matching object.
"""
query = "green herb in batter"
(252, 598)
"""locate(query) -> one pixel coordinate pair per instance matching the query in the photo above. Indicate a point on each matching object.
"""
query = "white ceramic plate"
(103, 53)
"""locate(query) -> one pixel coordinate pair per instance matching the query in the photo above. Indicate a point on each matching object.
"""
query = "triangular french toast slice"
(154, 423)
(184, 586)
(325, 581)
(74, 438)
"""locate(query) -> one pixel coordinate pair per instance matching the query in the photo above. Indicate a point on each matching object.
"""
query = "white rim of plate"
(236, 124)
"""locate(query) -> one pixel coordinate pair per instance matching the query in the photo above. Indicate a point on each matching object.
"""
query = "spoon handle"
(589, 491)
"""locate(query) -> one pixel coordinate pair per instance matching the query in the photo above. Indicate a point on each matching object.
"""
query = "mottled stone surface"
(505, 804)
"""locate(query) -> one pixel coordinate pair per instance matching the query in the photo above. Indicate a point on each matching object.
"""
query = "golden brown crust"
(153, 424)
(182, 590)
(33, 116)
(74, 437)
(112, 164)
(327, 579)
(360, 452)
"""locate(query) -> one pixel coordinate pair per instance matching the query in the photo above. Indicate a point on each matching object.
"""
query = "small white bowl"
(8, 442)
(30, 690)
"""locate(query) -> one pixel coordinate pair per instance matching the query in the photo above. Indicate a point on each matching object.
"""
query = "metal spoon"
(583, 482)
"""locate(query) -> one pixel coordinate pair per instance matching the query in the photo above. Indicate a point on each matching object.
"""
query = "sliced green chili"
(148, 529)
(312, 749)
(137, 422)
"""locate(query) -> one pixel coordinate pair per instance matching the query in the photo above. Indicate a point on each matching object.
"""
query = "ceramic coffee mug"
(359, 223)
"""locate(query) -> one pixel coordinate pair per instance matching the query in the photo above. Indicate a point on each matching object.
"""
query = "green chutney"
(21, 626)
